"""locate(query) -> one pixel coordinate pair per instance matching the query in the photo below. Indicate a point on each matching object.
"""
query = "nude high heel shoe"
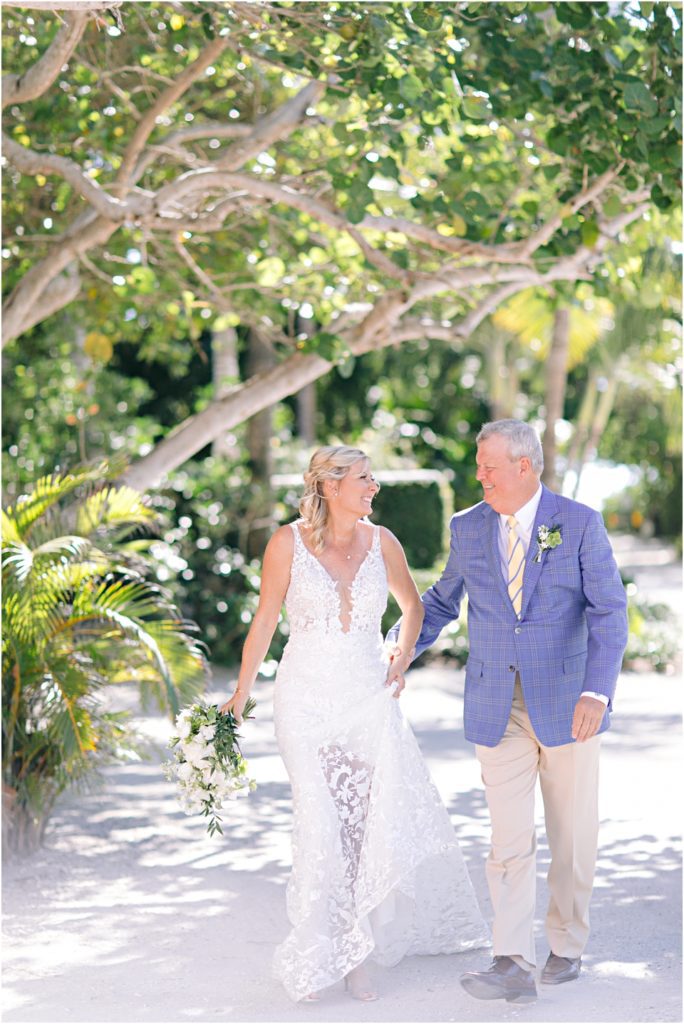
(358, 985)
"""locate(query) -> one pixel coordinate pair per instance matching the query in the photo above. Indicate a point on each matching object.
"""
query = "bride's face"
(357, 489)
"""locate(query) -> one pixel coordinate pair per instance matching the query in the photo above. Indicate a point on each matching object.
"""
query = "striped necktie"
(516, 565)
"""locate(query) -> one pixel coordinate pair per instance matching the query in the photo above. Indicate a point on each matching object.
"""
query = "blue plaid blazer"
(572, 630)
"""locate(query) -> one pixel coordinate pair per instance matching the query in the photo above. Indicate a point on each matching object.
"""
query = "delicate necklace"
(349, 549)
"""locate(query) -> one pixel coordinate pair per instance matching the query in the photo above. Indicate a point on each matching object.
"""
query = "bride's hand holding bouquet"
(237, 704)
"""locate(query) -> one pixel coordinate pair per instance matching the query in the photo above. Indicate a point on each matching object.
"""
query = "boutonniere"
(547, 537)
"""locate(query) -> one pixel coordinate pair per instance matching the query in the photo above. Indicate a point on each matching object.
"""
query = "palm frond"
(10, 533)
(128, 627)
(67, 547)
(120, 507)
(49, 490)
(80, 613)
(17, 562)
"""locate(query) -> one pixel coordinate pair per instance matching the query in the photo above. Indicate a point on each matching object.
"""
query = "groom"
(547, 627)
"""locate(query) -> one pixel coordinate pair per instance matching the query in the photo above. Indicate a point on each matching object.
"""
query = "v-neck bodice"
(316, 602)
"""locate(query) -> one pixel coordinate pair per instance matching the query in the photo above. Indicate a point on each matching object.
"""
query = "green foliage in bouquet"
(80, 615)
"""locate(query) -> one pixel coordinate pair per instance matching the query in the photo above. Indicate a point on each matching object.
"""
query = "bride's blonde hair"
(332, 462)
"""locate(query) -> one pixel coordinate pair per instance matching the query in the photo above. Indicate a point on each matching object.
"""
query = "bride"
(377, 872)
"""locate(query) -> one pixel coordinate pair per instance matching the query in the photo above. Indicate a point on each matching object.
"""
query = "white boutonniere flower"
(547, 537)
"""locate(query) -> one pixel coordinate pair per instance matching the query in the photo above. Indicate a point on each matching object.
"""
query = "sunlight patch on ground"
(52, 950)
(621, 969)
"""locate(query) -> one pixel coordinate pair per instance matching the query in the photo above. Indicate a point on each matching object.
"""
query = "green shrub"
(654, 636)
(416, 512)
(210, 507)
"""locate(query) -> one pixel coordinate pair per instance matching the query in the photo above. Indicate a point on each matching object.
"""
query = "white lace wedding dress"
(377, 870)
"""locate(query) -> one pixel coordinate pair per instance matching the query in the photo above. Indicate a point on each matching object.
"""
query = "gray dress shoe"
(558, 969)
(503, 980)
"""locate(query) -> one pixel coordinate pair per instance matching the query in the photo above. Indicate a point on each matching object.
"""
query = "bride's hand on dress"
(395, 674)
(236, 704)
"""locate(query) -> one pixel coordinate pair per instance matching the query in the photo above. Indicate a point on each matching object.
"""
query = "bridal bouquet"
(207, 765)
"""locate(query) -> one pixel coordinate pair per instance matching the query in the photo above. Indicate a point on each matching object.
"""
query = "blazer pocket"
(556, 558)
(474, 668)
(574, 665)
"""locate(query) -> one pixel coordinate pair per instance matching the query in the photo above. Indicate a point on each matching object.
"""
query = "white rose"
(195, 752)
(185, 771)
(206, 732)
(224, 785)
(184, 728)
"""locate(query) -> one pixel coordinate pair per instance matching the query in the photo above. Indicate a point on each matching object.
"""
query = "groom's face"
(508, 483)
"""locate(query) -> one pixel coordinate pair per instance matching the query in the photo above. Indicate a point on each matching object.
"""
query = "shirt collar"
(526, 514)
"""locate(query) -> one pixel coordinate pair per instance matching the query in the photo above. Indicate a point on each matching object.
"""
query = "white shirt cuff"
(597, 696)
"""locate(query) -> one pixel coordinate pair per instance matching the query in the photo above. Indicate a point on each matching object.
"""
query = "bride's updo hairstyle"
(330, 463)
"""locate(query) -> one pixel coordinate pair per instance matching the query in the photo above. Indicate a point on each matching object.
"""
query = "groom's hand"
(587, 718)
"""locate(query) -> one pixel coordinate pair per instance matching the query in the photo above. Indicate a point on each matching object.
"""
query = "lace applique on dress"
(377, 870)
(316, 602)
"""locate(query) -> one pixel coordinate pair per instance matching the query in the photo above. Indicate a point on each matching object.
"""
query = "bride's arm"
(275, 578)
(406, 594)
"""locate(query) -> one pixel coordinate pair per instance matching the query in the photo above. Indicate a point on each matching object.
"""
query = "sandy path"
(132, 914)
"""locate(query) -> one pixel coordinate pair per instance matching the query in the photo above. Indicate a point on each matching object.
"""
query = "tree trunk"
(501, 377)
(249, 398)
(259, 435)
(585, 417)
(22, 829)
(604, 408)
(226, 376)
(556, 380)
(306, 414)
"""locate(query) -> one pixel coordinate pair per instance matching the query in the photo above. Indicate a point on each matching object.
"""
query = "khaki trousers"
(569, 783)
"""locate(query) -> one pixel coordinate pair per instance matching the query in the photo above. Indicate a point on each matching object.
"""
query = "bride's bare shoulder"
(390, 546)
(281, 543)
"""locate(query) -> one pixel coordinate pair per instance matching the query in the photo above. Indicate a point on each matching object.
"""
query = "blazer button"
(511, 668)
(518, 629)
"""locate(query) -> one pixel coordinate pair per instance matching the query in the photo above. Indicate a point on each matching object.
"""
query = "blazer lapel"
(491, 539)
(546, 511)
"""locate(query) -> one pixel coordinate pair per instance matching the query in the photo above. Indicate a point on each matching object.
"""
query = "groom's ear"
(525, 466)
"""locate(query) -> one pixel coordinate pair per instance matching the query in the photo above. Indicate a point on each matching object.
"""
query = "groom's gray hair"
(523, 440)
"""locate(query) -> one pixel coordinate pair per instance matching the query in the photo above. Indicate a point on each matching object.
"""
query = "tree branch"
(88, 6)
(28, 161)
(170, 95)
(445, 243)
(276, 125)
(86, 232)
(587, 195)
(177, 140)
(379, 328)
(219, 298)
(39, 77)
(206, 178)
(62, 290)
(113, 210)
